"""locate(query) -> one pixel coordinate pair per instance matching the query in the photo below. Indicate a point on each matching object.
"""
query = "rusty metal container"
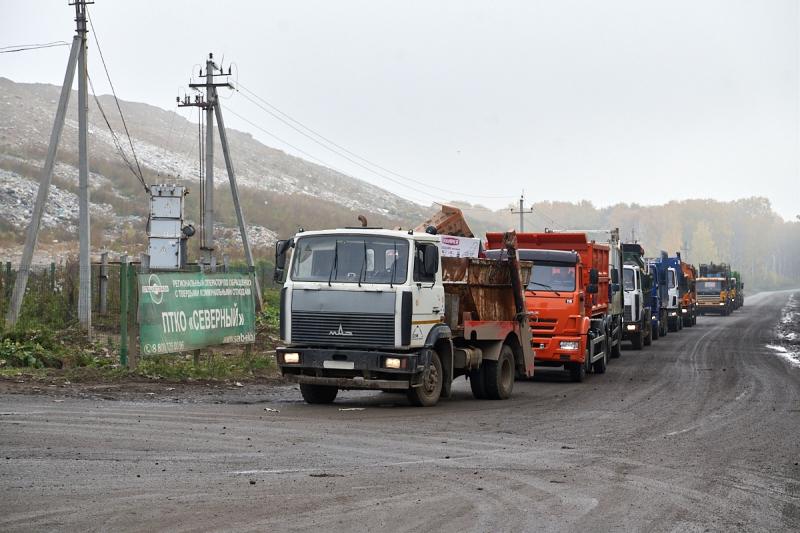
(479, 289)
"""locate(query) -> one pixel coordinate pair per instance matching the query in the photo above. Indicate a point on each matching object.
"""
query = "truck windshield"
(672, 282)
(547, 276)
(628, 279)
(709, 287)
(350, 259)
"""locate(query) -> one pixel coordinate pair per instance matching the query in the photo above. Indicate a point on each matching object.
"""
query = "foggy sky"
(615, 101)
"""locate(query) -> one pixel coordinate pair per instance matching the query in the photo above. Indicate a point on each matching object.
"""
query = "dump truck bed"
(479, 290)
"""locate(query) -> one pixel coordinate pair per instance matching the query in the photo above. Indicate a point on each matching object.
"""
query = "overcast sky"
(614, 101)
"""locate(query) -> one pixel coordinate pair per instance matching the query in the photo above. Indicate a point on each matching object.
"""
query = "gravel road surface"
(700, 431)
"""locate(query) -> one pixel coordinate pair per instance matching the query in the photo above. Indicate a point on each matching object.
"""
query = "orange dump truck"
(567, 299)
(688, 294)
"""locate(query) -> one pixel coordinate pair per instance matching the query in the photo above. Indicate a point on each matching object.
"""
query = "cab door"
(427, 293)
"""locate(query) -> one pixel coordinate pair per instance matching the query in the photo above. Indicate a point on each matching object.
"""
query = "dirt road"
(700, 431)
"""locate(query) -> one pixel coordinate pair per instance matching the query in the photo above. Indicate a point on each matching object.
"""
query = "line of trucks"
(412, 310)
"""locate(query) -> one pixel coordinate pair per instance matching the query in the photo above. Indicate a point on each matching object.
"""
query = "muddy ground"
(700, 431)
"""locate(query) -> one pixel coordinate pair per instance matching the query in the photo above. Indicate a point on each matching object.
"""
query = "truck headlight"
(722, 303)
(673, 313)
(394, 363)
(684, 310)
(291, 358)
(631, 327)
(654, 317)
(569, 345)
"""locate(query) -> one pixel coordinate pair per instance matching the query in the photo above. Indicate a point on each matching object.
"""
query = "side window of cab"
(419, 261)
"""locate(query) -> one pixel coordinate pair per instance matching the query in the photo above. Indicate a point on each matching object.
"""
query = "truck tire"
(427, 394)
(648, 339)
(655, 332)
(616, 350)
(499, 375)
(599, 366)
(638, 341)
(318, 393)
(577, 371)
(477, 383)
(679, 320)
(662, 324)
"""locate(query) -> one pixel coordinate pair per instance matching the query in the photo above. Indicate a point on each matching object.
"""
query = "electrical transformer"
(166, 232)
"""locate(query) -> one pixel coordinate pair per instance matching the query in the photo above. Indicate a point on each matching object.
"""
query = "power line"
(313, 157)
(26, 47)
(290, 121)
(115, 139)
(116, 100)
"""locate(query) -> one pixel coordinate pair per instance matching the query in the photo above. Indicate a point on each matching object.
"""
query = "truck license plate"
(339, 365)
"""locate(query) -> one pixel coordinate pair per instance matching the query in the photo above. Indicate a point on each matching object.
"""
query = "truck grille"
(626, 314)
(543, 327)
(342, 329)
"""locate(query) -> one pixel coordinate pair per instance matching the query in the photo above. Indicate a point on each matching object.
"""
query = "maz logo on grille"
(340, 332)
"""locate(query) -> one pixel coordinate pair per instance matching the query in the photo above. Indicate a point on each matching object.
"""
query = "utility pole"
(213, 108)
(77, 57)
(522, 212)
(85, 266)
(208, 234)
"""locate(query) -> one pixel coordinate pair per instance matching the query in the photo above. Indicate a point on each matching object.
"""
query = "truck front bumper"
(549, 350)
(353, 368)
(631, 330)
(350, 383)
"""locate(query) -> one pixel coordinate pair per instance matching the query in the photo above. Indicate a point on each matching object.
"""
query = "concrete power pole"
(84, 228)
(212, 107)
(522, 212)
(77, 57)
(208, 228)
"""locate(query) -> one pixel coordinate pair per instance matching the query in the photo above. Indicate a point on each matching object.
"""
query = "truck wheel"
(477, 383)
(599, 366)
(638, 341)
(648, 339)
(662, 324)
(616, 350)
(318, 393)
(577, 371)
(499, 375)
(427, 394)
(655, 332)
(679, 321)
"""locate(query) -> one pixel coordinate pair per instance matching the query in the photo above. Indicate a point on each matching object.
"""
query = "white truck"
(636, 284)
(365, 308)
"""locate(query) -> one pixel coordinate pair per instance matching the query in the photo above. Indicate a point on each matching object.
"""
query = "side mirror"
(594, 276)
(615, 287)
(591, 288)
(615, 276)
(281, 247)
(743, 285)
(430, 260)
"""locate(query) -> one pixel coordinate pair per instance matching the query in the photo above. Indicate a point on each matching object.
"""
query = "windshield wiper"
(335, 261)
(548, 287)
(394, 266)
(363, 266)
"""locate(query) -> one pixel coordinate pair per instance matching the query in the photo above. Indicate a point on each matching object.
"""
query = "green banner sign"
(185, 311)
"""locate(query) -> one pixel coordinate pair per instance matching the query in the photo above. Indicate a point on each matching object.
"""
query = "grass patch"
(212, 366)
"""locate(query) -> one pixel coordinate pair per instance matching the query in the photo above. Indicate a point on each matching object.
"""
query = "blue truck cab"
(659, 295)
(675, 283)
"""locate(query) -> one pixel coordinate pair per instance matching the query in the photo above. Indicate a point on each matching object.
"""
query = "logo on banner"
(155, 289)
